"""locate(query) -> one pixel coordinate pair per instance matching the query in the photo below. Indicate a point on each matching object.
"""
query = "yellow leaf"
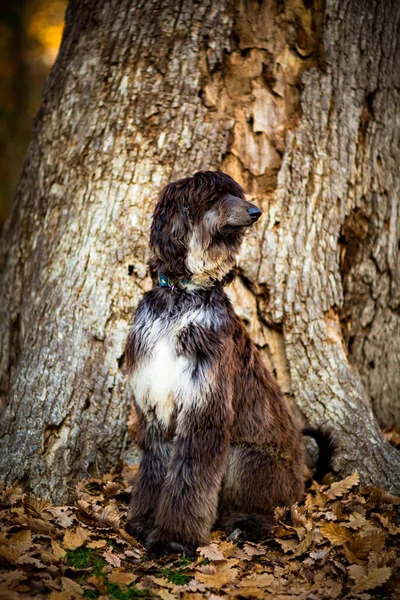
(211, 552)
(121, 577)
(258, 581)
(252, 592)
(336, 534)
(75, 539)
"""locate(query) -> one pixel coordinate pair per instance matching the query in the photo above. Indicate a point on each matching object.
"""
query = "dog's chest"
(162, 379)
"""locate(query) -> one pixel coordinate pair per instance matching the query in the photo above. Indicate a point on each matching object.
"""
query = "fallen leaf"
(165, 594)
(339, 488)
(211, 552)
(223, 575)
(58, 552)
(336, 534)
(75, 539)
(120, 576)
(258, 581)
(112, 559)
(374, 578)
(71, 586)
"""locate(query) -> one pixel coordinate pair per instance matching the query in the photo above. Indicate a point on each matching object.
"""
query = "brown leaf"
(120, 576)
(75, 539)
(258, 581)
(36, 524)
(97, 544)
(339, 488)
(97, 582)
(211, 552)
(112, 559)
(60, 595)
(21, 541)
(373, 579)
(58, 552)
(253, 550)
(11, 555)
(71, 586)
(224, 574)
(336, 534)
(62, 515)
(165, 594)
(304, 545)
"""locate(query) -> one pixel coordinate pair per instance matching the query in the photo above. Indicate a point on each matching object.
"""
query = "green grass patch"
(85, 558)
(175, 576)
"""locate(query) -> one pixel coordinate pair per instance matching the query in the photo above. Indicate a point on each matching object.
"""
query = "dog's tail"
(326, 449)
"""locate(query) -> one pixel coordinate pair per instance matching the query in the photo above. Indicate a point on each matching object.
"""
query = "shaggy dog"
(219, 444)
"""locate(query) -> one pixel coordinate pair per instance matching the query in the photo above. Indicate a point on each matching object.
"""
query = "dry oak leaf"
(9, 554)
(224, 574)
(166, 595)
(304, 545)
(112, 559)
(97, 544)
(258, 581)
(211, 552)
(373, 579)
(253, 550)
(122, 577)
(336, 534)
(97, 582)
(21, 541)
(58, 552)
(75, 539)
(250, 592)
(60, 596)
(36, 524)
(61, 515)
(339, 488)
(70, 586)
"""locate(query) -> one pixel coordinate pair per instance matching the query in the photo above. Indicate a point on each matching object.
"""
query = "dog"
(220, 447)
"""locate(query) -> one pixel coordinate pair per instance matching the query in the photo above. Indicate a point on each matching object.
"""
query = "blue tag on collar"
(163, 281)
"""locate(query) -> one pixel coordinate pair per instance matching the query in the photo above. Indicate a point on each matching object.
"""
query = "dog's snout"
(254, 212)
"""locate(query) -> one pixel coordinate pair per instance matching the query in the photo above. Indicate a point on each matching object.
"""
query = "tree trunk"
(297, 105)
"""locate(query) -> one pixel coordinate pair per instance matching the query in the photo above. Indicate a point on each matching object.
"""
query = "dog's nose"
(254, 212)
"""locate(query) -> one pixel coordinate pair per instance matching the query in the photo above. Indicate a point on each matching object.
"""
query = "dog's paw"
(159, 549)
(137, 530)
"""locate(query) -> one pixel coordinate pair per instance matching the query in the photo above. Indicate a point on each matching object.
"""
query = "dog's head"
(198, 226)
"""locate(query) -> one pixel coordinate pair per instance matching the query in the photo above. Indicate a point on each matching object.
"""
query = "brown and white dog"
(219, 444)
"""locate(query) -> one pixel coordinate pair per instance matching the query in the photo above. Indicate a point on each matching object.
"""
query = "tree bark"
(297, 104)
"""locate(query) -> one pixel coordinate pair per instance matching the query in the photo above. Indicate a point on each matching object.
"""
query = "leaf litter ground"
(340, 542)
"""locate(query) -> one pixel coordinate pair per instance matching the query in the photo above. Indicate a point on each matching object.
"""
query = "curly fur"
(219, 444)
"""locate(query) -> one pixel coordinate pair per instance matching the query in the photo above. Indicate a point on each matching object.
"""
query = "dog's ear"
(168, 236)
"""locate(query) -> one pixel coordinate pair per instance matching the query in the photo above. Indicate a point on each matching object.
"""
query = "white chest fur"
(162, 380)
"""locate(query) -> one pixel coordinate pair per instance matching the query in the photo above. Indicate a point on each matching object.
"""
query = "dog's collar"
(164, 281)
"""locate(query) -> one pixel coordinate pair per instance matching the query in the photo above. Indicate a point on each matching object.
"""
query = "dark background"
(30, 35)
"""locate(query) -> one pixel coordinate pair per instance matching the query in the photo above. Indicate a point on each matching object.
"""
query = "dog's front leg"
(187, 507)
(146, 486)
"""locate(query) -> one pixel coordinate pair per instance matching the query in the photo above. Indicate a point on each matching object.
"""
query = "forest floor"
(340, 542)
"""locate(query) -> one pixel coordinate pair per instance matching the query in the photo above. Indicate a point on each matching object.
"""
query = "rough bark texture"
(297, 103)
